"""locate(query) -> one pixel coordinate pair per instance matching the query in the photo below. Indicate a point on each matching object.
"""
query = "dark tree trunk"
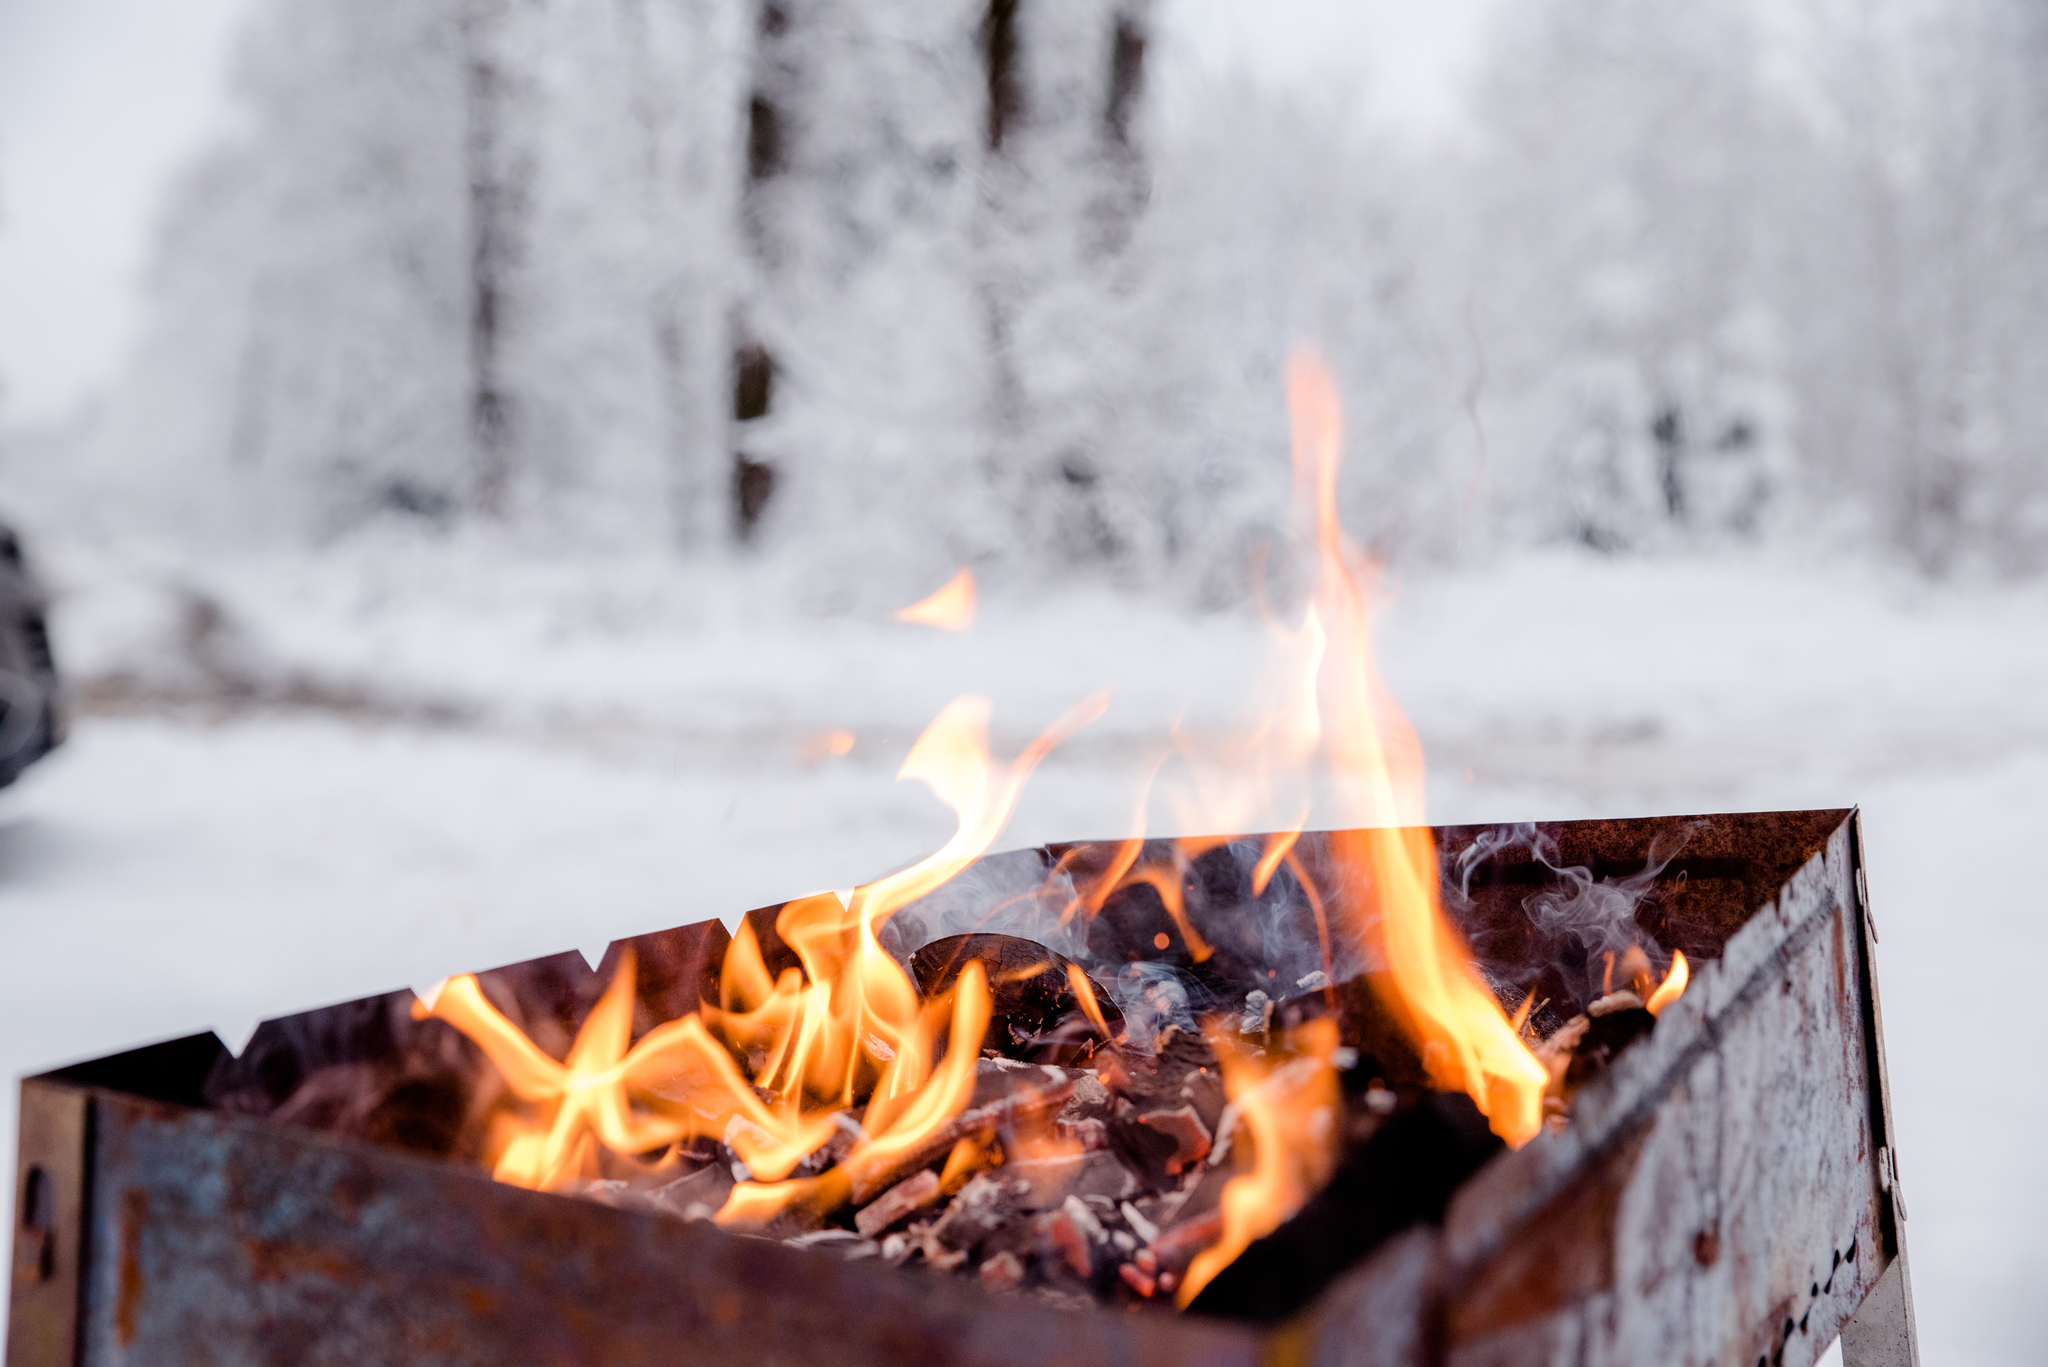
(495, 200)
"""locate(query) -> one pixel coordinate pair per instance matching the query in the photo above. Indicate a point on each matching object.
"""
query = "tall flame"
(949, 608)
(1387, 856)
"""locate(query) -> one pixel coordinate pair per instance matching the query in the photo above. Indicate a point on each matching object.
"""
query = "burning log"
(1044, 1007)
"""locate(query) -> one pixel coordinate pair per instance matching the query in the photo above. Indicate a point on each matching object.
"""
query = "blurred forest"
(899, 284)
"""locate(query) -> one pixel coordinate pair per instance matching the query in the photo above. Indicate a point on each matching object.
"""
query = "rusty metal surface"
(227, 1241)
(49, 1204)
(1697, 1210)
(1716, 1197)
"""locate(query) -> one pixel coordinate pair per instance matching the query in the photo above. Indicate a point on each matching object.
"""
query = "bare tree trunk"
(495, 198)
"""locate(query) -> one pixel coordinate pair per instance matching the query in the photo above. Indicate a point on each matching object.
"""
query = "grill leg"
(1881, 1332)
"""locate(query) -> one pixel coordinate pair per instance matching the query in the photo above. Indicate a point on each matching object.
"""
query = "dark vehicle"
(31, 723)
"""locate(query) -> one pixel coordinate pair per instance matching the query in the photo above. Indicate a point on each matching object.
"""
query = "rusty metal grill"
(1726, 1193)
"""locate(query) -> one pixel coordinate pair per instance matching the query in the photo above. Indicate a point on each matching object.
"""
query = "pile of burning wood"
(1066, 1152)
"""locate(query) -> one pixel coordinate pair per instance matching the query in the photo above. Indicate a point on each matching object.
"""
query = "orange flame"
(1291, 1114)
(846, 1025)
(1084, 992)
(823, 745)
(951, 608)
(1673, 986)
(1387, 856)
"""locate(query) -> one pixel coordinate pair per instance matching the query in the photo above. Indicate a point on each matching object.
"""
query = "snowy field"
(300, 780)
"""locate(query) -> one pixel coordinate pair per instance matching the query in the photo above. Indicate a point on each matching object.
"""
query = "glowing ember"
(951, 608)
(1388, 857)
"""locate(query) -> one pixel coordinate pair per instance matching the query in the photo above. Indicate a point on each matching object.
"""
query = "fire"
(1289, 1116)
(951, 608)
(1387, 855)
(822, 745)
(843, 1027)
(1673, 986)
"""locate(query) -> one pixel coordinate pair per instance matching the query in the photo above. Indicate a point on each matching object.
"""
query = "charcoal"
(1185, 1128)
(1163, 1078)
(1148, 1152)
(1404, 1175)
(1176, 1247)
(1203, 1092)
(1140, 1282)
(1606, 1035)
(842, 1242)
(1038, 1184)
(977, 1210)
(1091, 1100)
(1623, 1000)
(1087, 1134)
(1064, 1245)
(1364, 1023)
(898, 1203)
(1034, 1013)
(1197, 1199)
(1555, 1052)
(829, 1153)
(694, 1196)
(1003, 1272)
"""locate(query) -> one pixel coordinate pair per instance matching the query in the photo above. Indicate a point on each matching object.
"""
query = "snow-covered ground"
(301, 779)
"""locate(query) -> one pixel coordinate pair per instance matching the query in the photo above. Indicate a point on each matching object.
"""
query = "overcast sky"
(102, 100)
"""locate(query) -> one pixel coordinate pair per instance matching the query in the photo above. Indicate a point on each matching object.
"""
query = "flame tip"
(949, 608)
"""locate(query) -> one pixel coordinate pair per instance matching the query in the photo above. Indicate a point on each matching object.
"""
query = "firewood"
(1016, 1094)
(1177, 1246)
(1088, 1134)
(696, 1196)
(1364, 1023)
(1185, 1128)
(1003, 1272)
(1064, 1246)
(897, 1204)
(976, 1211)
(1034, 1012)
(1039, 1184)
(1606, 1036)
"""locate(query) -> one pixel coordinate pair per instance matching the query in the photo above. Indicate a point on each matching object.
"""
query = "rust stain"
(1706, 1246)
(1561, 1256)
(348, 1198)
(479, 1301)
(1842, 986)
(277, 1260)
(128, 1299)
